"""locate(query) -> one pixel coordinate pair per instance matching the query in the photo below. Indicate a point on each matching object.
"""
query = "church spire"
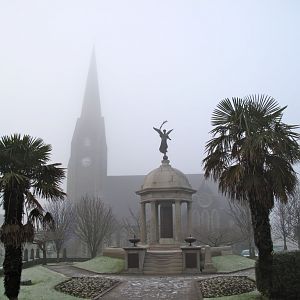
(91, 103)
(87, 168)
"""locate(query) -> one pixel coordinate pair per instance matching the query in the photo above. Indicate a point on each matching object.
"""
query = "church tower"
(87, 168)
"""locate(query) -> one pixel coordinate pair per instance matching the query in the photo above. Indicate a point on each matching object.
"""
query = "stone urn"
(134, 240)
(190, 240)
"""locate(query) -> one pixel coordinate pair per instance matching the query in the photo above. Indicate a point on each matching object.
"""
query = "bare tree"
(217, 237)
(241, 217)
(44, 223)
(132, 224)
(41, 239)
(62, 214)
(294, 205)
(94, 222)
(286, 220)
(281, 222)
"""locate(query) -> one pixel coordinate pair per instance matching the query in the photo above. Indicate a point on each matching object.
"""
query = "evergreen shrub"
(285, 276)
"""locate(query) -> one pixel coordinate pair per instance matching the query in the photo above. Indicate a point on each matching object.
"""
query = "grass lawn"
(231, 263)
(43, 281)
(255, 295)
(103, 264)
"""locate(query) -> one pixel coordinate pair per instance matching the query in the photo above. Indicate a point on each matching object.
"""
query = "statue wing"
(169, 131)
(158, 130)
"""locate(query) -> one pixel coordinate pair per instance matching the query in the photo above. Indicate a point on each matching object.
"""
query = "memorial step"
(163, 262)
(165, 247)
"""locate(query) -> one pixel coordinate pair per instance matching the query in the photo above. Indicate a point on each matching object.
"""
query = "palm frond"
(227, 112)
(31, 201)
(48, 180)
(36, 216)
(22, 154)
(249, 135)
(48, 221)
(9, 180)
(15, 235)
(27, 233)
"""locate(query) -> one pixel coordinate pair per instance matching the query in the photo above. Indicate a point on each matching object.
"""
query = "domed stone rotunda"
(165, 189)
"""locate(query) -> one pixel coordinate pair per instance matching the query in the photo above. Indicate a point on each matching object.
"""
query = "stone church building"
(87, 170)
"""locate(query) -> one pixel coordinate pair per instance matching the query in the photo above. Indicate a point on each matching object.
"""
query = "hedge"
(285, 276)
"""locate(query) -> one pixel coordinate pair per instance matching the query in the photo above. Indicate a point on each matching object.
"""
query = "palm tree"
(251, 155)
(24, 176)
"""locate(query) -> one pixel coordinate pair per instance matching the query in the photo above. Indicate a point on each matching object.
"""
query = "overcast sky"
(157, 60)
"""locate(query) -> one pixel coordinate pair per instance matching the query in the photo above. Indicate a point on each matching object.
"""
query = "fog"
(157, 60)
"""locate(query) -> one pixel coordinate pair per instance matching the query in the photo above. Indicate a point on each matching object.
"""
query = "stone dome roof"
(166, 177)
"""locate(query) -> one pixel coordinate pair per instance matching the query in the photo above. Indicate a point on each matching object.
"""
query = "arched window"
(25, 255)
(196, 218)
(205, 220)
(215, 220)
(32, 254)
(65, 253)
(37, 253)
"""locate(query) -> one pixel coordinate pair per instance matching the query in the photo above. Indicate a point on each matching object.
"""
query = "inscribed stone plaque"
(191, 260)
(166, 221)
(133, 260)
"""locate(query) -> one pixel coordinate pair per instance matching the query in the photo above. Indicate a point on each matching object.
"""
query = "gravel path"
(136, 287)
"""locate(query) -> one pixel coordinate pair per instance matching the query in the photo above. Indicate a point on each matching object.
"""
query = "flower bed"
(86, 287)
(225, 286)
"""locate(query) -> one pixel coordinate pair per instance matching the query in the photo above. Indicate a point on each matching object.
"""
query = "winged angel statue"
(164, 135)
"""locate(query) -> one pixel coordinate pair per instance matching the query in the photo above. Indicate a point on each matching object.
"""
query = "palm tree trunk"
(12, 266)
(264, 244)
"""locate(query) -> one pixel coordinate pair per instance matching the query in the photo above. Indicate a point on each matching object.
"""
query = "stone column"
(189, 218)
(153, 223)
(143, 224)
(178, 221)
(157, 222)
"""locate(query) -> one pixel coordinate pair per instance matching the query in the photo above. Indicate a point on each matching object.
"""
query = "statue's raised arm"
(164, 135)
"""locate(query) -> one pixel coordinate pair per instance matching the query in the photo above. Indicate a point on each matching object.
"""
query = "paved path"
(153, 288)
(137, 287)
